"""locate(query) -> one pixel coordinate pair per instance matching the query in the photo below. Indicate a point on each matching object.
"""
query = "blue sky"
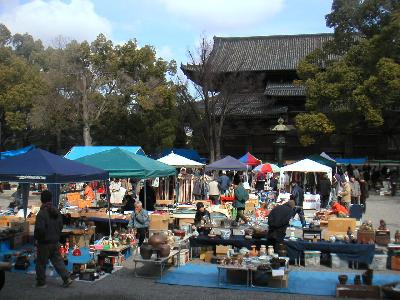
(172, 26)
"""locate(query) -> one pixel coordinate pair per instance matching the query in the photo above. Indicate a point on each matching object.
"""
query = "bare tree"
(213, 101)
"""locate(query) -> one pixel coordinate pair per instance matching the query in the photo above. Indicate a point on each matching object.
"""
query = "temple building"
(265, 69)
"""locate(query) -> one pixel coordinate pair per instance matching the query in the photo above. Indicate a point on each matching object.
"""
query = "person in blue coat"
(140, 220)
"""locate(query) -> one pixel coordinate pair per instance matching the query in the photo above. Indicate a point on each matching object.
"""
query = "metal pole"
(145, 195)
(107, 189)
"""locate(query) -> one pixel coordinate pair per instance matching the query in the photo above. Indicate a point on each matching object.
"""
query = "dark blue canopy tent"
(227, 163)
(40, 166)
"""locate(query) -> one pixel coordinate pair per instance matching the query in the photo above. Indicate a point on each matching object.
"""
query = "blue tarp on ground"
(12, 153)
(300, 282)
(188, 153)
(352, 161)
(81, 151)
(40, 166)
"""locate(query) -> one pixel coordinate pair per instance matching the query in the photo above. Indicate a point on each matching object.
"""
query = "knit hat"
(291, 203)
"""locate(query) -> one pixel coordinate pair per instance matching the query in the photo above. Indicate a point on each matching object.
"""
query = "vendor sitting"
(262, 212)
(88, 192)
(338, 209)
(201, 218)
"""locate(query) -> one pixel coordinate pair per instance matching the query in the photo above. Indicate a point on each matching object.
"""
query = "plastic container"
(337, 262)
(379, 262)
(184, 258)
(312, 258)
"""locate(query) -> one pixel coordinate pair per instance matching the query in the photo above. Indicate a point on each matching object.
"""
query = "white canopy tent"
(306, 166)
(178, 161)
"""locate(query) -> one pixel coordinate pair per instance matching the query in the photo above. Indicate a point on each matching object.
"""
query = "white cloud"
(221, 15)
(48, 19)
(165, 52)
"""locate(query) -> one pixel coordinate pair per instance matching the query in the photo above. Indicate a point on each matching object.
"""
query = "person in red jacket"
(338, 209)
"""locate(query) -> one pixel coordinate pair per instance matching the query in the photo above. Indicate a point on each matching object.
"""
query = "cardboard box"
(250, 207)
(341, 224)
(208, 256)
(279, 281)
(159, 222)
(220, 249)
(183, 222)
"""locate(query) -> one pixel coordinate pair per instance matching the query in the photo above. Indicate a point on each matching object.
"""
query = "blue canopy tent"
(81, 151)
(227, 163)
(352, 161)
(12, 153)
(40, 166)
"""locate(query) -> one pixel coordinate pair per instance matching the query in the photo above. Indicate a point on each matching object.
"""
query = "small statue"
(349, 232)
(397, 237)
(382, 225)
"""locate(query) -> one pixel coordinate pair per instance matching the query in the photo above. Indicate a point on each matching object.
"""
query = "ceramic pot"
(357, 279)
(342, 279)
(270, 250)
(164, 249)
(146, 251)
(157, 239)
(253, 251)
(263, 250)
(367, 277)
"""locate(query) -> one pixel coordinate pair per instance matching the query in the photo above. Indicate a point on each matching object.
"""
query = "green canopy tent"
(123, 164)
(323, 161)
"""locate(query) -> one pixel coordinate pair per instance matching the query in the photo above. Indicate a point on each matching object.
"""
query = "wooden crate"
(395, 262)
(366, 237)
(358, 291)
(382, 237)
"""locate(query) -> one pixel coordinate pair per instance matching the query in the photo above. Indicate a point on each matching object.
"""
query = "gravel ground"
(124, 285)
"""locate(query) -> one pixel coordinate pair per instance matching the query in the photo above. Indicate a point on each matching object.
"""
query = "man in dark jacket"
(241, 196)
(150, 197)
(325, 187)
(278, 221)
(48, 227)
(298, 197)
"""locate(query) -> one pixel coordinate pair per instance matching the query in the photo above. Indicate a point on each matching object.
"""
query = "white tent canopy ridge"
(306, 166)
(176, 160)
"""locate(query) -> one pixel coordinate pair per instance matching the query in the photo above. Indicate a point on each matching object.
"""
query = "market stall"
(184, 180)
(227, 163)
(39, 166)
(306, 166)
(123, 164)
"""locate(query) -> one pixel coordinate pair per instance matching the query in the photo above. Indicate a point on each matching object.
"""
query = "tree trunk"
(87, 137)
(211, 143)
(58, 141)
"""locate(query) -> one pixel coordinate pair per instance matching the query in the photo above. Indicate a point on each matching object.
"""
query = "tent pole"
(107, 188)
(145, 194)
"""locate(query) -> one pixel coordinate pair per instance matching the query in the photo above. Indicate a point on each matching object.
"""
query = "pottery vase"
(367, 277)
(342, 279)
(164, 249)
(146, 251)
(157, 239)
(253, 251)
(263, 250)
(357, 279)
